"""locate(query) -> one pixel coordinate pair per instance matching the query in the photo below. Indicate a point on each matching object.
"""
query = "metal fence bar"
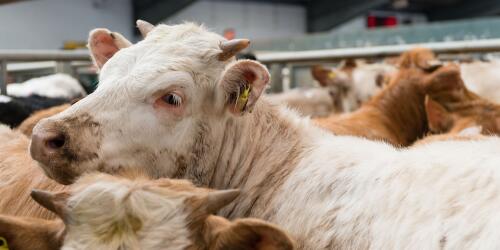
(3, 77)
(35, 55)
(490, 45)
(44, 55)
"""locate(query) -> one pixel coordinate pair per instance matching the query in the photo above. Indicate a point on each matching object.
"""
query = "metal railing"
(490, 45)
(286, 59)
(7, 56)
(280, 62)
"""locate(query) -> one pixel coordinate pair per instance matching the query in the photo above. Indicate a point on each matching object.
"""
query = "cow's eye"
(172, 99)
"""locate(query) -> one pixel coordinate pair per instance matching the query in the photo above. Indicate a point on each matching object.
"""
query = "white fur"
(482, 78)
(471, 131)
(315, 102)
(57, 85)
(362, 85)
(364, 79)
(5, 99)
(341, 192)
(98, 208)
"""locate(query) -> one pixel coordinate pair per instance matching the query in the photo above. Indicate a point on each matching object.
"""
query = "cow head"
(456, 117)
(30, 233)
(108, 212)
(155, 101)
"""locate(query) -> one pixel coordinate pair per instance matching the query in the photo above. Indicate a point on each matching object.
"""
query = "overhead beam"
(322, 15)
(155, 11)
(465, 9)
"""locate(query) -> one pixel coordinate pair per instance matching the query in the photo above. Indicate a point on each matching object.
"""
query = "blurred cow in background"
(483, 78)
(51, 86)
(354, 82)
(40, 93)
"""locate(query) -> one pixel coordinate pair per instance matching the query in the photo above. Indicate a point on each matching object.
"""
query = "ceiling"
(323, 15)
(8, 1)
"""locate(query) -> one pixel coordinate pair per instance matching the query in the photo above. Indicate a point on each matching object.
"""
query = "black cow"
(13, 110)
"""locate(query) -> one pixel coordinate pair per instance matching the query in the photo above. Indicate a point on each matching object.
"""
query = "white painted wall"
(252, 20)
(46, 24)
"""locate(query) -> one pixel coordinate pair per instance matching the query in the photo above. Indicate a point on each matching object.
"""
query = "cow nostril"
(56, 142)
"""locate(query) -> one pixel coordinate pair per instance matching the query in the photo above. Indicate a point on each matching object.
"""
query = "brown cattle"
(23, 233)
(26, 127)
(353, 83)
(107, 212)
(457, 116)
(397, 114)
(18, 175)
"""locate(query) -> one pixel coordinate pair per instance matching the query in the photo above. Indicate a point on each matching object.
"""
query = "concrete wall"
(46, 24)
(249, 19)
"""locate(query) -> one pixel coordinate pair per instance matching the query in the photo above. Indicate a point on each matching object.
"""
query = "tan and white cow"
(353, 83)
(178, 104)
(108, 213)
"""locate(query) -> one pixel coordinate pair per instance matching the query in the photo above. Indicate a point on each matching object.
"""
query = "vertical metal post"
(3, 77)
(287, 75)
(63, 67)
(276, 78)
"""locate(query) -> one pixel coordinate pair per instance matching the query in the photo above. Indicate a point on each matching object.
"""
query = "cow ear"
(444, 79)
(103, 44)
(243, 82)
(55, 202)
(245, 234)
(323, 75)
(349, 64)
(438, 118)
(30, 233)
(421, 58)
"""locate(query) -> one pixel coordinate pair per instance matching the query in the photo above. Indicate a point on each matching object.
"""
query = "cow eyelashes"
(172, 99)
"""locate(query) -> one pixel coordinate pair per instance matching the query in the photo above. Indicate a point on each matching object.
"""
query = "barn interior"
(405, 75)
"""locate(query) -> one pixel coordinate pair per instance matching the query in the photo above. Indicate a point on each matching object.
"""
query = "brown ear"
(245, 234)
(419, 58)
(349, 64)
(323, 75)
(55, 202)
(30, 233)
(103, 44)
(243, 82)
(444, 79)
(438, 118)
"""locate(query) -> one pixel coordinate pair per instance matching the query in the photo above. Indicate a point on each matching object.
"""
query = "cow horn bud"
(231, 48)
(144, 27)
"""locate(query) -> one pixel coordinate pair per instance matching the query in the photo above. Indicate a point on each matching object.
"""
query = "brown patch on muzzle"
(68, 147)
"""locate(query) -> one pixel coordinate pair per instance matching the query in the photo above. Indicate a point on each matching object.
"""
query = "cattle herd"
(180, 148)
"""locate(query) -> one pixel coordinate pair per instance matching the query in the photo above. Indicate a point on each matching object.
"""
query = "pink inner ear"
(103, 47)
(250, 76)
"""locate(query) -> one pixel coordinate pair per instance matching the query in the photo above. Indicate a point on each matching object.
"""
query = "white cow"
(353, 83)
(54, 86)
(179, 106)
(313, 102)
(483, 78)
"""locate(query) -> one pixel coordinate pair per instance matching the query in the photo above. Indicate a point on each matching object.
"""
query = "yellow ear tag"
(331, 75)
(242, 101)
(3, 244)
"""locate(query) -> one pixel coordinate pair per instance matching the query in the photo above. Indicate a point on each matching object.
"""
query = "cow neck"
(400, 108)
(254, 153)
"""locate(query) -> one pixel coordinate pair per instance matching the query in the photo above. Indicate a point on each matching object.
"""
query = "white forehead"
(185, 47)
